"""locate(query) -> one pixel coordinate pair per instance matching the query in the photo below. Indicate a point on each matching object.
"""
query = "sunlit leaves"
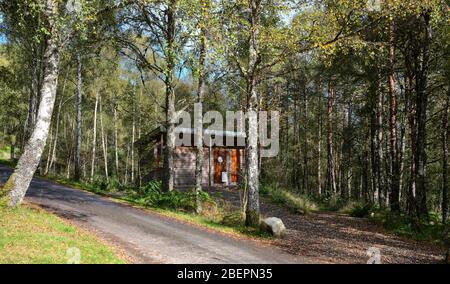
(28, 19)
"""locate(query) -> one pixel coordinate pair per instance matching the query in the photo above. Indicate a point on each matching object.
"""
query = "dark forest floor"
(331, 237)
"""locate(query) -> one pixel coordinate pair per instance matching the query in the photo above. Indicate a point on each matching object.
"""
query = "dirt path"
(338, 238)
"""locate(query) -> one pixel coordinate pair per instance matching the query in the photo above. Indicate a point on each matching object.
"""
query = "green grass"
(429, 230)
(33, 236)
(76, 184)
(295, 202)
(230, 228)
(5, 152)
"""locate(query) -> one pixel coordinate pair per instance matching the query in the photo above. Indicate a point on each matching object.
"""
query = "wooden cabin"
(222, 164)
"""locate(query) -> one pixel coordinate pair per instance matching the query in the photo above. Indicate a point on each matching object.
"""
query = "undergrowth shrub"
(293, 201)
(233, 219)
(360, 210)
(334, 202)
(152, 195)
(150, 187)
(101, 185)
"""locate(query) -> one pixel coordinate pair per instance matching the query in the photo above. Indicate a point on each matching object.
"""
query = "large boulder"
(274, 226)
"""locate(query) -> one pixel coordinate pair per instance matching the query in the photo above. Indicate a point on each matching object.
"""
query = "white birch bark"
(252, 211)
(104, 142)
(18, 183)
(94, 137)
(116, 147)
(78, 118)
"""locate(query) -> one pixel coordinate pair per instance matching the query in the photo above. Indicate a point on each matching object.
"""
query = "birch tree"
(79, 99)
(255, 43)
(18, 183)
(61, 21)
(154, 39)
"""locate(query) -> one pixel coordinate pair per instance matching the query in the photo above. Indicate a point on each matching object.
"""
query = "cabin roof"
(210, 132)
(155, 135)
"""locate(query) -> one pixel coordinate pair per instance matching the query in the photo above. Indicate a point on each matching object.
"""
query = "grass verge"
(295, 202)
(430, 229)
(33, 236)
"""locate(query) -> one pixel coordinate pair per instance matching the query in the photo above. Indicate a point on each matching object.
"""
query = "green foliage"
(113, 184)
(298, 203)
(100, 183)
(65, 19)
(151, 195)
(8, 163)
(233, 219)
(150, 188)
(431, 230)
(361, 210)
(335, 202)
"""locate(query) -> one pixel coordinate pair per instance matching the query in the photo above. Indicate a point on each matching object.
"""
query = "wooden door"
(235, 162)
(220, 164)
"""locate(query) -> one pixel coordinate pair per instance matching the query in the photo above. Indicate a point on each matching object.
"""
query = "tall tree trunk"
(69, 161)
(168, 180)
(344, 149)
(78, 110)
(296, 151)
(395, 162)
(305, 144)
(445, 154)
(421, 104)
(373, 148)
(376, 134)
(252, 211)
(49, 154)
(199, 107)
(12, 151)
(104, 141)
(133, 138)
(331, 171)
(412, 124)
(126, 164)
(379, 145)
(401, 155)
(33, 101)
(319, 143)
(18, 183)
(139, 124)
(366, 193)
(116, 147)
(94, 136)
(349, 148)
(58, 117)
